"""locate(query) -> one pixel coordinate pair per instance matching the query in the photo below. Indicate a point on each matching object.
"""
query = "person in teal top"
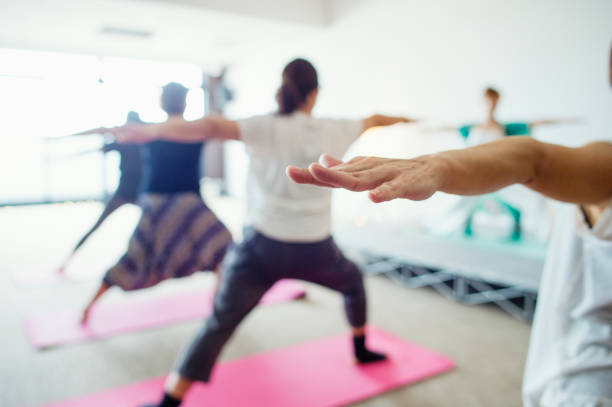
(519, 128)
(509, 129)
(491, 130)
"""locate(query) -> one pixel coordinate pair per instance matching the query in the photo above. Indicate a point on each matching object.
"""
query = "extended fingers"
(328, 161)
(365, 164)
(97, 130)
(358, 174)
(353, 181)
(303, 176)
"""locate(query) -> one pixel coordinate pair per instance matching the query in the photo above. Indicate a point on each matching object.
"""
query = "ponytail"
(299, 79)
(288, 97)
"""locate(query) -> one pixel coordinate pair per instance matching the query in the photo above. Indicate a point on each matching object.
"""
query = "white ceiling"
(200, 31)
(312, 12)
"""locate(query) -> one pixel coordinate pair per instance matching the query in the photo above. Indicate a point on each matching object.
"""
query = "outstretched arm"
(97, 131)
(175, 129)
(549, 122)
(378, 120)
(580, 175)
(79, 154)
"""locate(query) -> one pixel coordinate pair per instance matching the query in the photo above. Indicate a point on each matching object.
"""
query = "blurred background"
(71, 65)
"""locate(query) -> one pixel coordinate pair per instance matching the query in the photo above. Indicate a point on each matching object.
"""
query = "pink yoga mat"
(60, 328)
(314, 374)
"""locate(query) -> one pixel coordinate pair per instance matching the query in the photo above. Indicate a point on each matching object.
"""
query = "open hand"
(385, 178)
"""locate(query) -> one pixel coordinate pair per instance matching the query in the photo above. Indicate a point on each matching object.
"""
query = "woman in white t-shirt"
(570, 353)
(289, 224)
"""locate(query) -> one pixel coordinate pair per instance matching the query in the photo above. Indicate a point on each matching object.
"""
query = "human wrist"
(440, 167)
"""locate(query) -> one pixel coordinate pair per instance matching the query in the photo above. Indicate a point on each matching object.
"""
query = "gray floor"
(488, 346)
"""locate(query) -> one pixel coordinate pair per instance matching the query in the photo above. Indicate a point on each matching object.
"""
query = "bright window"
(45, 95)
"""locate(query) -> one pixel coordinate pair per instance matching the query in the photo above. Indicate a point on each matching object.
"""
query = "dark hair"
(299, 79)
(491, 92)
(133, 117)
(173, 98)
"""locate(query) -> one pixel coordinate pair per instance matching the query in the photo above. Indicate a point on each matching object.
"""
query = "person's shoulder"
(262, 117)
(256, 122)
(336, 122)
(343, 131)
(330, 119)
(258, 129)
(294, 117)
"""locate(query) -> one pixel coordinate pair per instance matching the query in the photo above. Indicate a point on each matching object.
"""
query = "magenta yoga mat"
(58, 328)
(313, 374)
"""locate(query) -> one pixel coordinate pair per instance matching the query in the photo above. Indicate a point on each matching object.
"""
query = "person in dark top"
(177, 233)
(131, 168)
(173, 167)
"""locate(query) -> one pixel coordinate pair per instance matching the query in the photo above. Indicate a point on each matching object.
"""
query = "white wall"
(431, 59)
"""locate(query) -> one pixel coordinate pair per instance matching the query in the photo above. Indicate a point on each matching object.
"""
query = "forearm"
(543, 122)
(488, 167)
(180, 130)
(549, 122)
(378, 120)
(579, 175)
(174, 129)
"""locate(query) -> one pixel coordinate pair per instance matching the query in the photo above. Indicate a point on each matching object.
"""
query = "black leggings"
(249, 271)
